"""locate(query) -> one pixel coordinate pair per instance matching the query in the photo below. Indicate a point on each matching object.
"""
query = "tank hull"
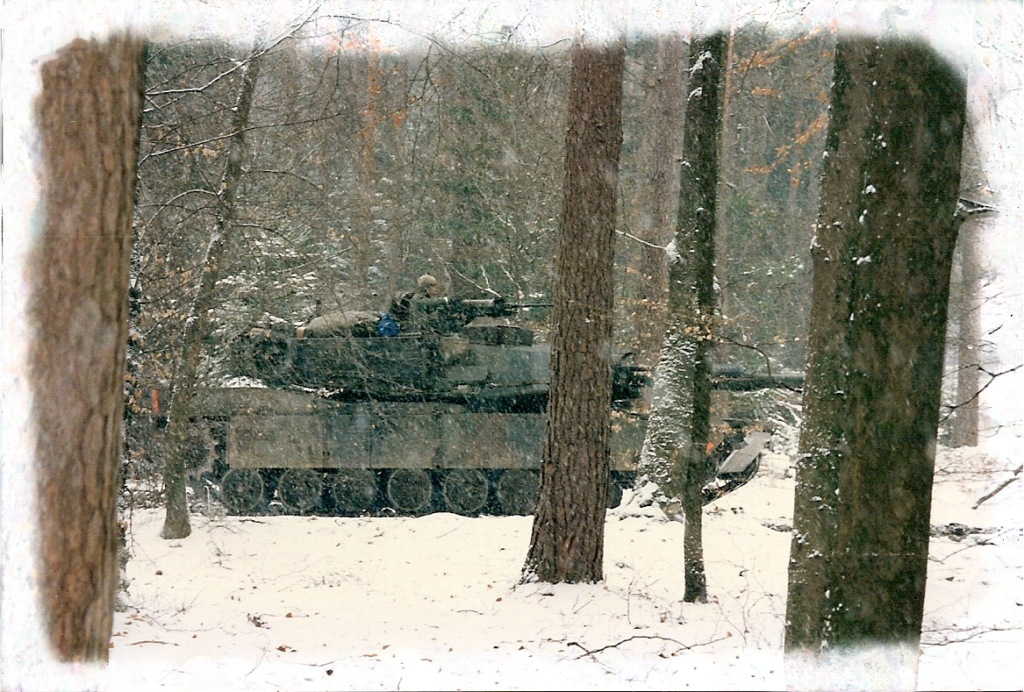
(312, 454)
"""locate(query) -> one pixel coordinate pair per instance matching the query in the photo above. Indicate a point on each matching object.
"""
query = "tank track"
(367, 491)
(378, 492)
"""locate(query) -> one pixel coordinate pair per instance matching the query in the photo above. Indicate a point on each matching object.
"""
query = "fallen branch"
(682, 647)
(971, 635)
(999, 487)
(152, 641)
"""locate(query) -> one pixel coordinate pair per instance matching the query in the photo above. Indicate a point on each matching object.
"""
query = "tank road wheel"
(614, 494)
(300, 490)
(410, 490)
(518, 490)
(465, 490)
(204, 453)
(355, 490)
(242, 489)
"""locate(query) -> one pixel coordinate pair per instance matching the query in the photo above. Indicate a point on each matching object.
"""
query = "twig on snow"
(999, 487)
(152, 641)
(682, 647)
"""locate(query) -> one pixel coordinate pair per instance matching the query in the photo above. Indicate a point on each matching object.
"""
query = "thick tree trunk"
(197, 327)
(88, 116)
(882, 258)
(680, 422)
(567, 543)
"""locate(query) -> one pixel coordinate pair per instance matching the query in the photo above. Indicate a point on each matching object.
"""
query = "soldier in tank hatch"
(400, 302)
(414, 310)
(426, 287)
(424, 311)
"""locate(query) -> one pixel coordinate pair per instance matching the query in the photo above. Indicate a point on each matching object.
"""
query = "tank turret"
(445, 350)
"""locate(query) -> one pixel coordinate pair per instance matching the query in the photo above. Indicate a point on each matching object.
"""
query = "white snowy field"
(323, 603)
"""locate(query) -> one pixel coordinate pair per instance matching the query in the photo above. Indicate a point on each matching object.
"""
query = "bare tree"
(968, 339)
(567, 542)
(680, 422)
(88, 115)
(176, 523)
(882, 255)
(965, 346)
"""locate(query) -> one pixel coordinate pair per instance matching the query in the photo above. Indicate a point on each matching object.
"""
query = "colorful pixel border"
(32, 30)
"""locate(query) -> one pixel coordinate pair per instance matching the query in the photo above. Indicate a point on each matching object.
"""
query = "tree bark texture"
(680, 422)
(965, 423)
(968, 381)
(882, 258)
(197, 327)
(567, 542)
(88, 118)
(967, 284)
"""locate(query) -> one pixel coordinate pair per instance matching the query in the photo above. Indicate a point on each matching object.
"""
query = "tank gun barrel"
(492, 307)
(737, 379)
(527, 306)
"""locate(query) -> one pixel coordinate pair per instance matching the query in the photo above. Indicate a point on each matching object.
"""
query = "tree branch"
(767, 361)
(1016, 475)
(992, 378)
(682, 647)
(642, 241)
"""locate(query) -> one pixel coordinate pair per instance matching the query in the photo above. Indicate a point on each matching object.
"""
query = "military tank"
(368, 412)
(363, 412)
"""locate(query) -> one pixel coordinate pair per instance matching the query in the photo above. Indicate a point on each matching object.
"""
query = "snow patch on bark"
(698, 65)
(672, 251)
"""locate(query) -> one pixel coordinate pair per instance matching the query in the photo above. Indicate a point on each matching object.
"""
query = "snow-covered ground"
(324, 603)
